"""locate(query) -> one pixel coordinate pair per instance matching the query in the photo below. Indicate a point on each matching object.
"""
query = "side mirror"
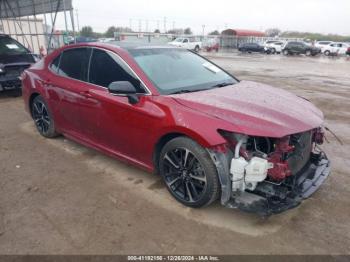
(124, 88)
(121, 87)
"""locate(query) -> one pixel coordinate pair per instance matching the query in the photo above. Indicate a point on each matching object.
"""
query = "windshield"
(179, 70)
(9, 46)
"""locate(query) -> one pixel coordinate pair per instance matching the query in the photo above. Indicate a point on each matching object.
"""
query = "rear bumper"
(307, 182)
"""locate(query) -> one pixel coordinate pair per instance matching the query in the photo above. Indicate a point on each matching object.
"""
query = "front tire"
(196, 49)
(43, 118)
(327, 52)
(189, 172)
(285, 52)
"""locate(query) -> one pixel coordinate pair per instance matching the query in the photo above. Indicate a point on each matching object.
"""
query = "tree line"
(87, 31)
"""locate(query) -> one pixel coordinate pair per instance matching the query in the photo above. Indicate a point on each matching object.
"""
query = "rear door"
(70, 90)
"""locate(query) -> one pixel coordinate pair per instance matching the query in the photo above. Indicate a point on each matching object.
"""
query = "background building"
(29, 32)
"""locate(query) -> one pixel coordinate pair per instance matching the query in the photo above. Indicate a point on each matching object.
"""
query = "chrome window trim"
(148, 92)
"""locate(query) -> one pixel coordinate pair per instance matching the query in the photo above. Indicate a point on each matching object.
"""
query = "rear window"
(9, 46)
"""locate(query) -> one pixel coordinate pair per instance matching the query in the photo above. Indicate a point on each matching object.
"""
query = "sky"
(322, 16)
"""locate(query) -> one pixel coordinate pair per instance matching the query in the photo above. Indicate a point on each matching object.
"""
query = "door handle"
(86, 94)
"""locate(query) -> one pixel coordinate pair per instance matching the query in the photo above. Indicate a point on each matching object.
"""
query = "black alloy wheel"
(188, 172)
(42, 118)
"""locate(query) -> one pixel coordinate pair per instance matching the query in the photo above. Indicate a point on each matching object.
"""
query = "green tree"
(157, 31)
(272, 32)
(176, 31)
(316, 36)
(87, 31)
(216, 32)
(110, 31)
(188, 31)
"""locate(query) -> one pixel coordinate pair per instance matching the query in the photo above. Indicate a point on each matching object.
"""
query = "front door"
(122, 126)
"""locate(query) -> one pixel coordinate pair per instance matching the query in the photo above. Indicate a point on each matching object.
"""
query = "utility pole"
(146, 25)
(158, 27)
(140, 25)
(130, 23)
(173, 25)
(203, 26)
(164, 25)
(76, 14)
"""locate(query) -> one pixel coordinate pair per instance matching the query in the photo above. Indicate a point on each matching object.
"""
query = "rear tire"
(43, 118)
(189, 172)
(308, 53)
(285, 52)
(327, 52)
(196, 49)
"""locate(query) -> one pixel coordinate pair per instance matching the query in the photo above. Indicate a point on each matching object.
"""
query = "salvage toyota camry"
(173, 112)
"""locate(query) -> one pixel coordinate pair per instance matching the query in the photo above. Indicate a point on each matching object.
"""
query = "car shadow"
(151, 187)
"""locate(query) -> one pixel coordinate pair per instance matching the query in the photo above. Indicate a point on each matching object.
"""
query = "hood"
(255, 109)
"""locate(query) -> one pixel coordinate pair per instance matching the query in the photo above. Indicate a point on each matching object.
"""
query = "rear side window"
(106, 68)
(74, 63)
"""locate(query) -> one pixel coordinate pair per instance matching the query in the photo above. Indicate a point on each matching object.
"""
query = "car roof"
(123, 45)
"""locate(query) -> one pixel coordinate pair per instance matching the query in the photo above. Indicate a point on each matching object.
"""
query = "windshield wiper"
(222, 84)
(188, 91)
(181, 92)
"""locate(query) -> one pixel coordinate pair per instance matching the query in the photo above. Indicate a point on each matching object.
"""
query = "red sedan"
(173, 112)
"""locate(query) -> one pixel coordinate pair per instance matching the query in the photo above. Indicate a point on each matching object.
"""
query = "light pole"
(203, 26)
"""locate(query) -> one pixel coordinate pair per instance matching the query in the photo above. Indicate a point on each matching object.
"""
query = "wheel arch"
(30, 102)
(171, 134)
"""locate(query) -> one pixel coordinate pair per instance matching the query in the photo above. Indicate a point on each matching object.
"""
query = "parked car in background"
(172, 112)
(211, 44)
(252, 48)
(348, 51)
(322, 45)
(83, 39)
(336, 49)
(297, 48)
(106, 40)
(189, 43)
(14, 59)
(275, 47)
(268, 43)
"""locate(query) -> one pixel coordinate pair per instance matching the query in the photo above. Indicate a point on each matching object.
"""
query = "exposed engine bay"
(270, 175)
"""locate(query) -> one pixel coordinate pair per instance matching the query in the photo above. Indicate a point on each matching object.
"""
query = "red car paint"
(92, 116)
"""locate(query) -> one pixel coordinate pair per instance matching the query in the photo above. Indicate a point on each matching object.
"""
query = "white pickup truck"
(187, 42)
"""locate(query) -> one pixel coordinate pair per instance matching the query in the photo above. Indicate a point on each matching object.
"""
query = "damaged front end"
(270, 175)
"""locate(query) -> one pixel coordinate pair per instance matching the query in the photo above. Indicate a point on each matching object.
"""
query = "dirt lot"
(57, 197)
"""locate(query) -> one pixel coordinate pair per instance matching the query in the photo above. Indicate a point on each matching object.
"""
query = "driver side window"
(106, 68)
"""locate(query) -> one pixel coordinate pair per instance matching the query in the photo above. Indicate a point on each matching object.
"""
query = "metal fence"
(33, 22)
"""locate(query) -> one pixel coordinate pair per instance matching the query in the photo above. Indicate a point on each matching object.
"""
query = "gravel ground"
(57, 197)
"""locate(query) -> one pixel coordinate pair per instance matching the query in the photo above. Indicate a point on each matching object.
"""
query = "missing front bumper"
(270, 199)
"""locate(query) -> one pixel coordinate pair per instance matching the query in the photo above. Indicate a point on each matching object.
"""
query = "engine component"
(246, 175)
(280, 169)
